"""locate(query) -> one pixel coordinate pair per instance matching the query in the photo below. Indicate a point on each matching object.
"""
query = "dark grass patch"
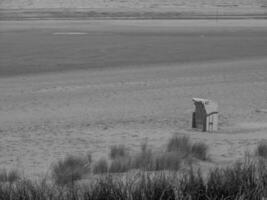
(243, 180)
(199, 151)
(184, 146)
(101, 166)
(181, 144)
(167, 161)
(178, 149)
(144, 159)
(147, 160)
(261, 150)
(70, 169)
(120, 165)
(117, 151)
(9, 176)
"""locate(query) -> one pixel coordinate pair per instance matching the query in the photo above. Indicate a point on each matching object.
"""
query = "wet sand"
(46, 46)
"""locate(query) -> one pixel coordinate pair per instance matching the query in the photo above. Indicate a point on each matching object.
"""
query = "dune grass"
(243, 180)
(73, 168)
(146, 160)
(184, 146)
(181, 144)
(117, 151)
(101, 166)
(9, 176)
(177, 150)
(70, 169)
(199, 150)
(261, 150)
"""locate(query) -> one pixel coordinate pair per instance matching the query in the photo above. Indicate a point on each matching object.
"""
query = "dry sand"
(43, 117)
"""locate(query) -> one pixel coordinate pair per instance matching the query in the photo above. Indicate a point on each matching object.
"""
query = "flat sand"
(131, 93)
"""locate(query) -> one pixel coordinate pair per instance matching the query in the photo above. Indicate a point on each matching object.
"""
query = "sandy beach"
(87, 107)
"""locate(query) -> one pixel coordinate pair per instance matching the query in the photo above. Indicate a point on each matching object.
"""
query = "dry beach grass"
(245, 180)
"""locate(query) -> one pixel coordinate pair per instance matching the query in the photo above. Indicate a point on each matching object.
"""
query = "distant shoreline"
(109, 14)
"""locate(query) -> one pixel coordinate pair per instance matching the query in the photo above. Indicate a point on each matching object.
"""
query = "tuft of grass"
(178, 148)
(149, 186)
(199, 151)
(144, 159)
(101, 166)
(184, 146)
(117, 151)
(167, 161)
(262, 150)
(147, 160)
(242, 179)
(179, 144)
(120, 165)
(70, 169)
(9, 176)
